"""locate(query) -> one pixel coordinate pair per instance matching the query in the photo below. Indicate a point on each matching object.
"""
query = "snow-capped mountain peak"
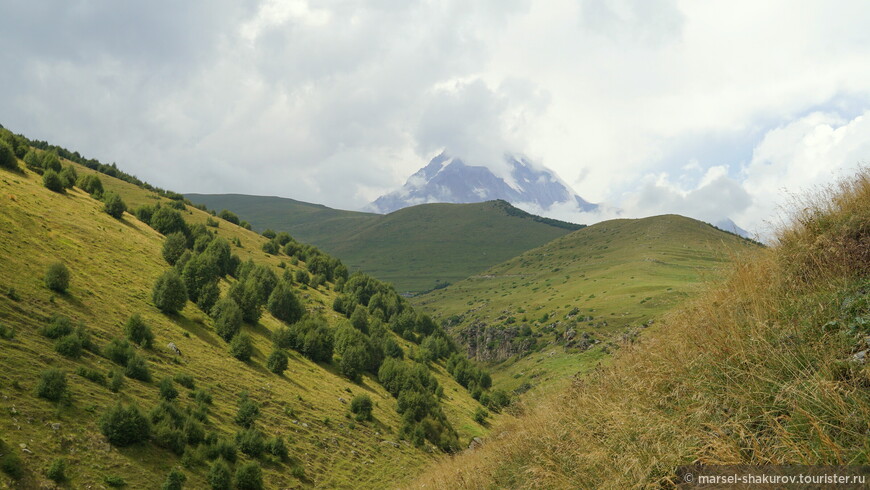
(448, 178)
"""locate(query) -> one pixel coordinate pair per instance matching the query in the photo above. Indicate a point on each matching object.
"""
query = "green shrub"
(480, 415)
(91, 375)
(202, 396)
(52, 385)
(124, 426)
(248, 412)
(51, 162)
(209, 221)
(271, 247)
(114, 206)
(116, 380)
(167, 220)
(250, 442)
(168, 437)
(7, 157)
(118, 351)
(174, 480)
(138, 332)
(52, 181)
(209, 294)
(219, 476)
(284, 305)
(7, 333)
(193, 431)
(57, 470)
(249, 476)
(241, 347)
(138, 369)
(298, 472)
(361, 407)
(57, 277)
(143, 213)
(114, 481)
(220, 448)
(277, 362)
(59, 326)
(246, 294)
(268, 233)
(185, 380)
(229, 216)
(91, 184)
(301, 277)
(69, 346)
(173, 247)
(10, 462)
(33, 161)
(167, 389)
(227, 318)
(69, 176)
(169, 293)
(275, 446)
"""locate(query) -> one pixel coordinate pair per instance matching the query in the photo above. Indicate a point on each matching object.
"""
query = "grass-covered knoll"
(575, 295)
(75, 359)
(765, 367)
(417, 248)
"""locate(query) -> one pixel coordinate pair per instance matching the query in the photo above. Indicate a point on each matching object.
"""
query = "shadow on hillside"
(195, 328)
(74, 302)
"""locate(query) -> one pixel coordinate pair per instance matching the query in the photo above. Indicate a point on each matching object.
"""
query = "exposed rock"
(55, 426)
(174, 348)
(860, 357)
(390, 443)
(342, 400)
(475, 443)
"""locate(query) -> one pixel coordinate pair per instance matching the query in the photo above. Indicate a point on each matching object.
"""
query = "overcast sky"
(708, 109)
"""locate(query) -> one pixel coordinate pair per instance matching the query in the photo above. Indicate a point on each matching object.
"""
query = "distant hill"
(451, 179)
(416, 249)
(566, 301)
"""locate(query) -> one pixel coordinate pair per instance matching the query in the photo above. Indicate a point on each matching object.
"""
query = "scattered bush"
(69, 346)
(69, 176)
(193, 431)
(114, 481)
(33, 161)
(52, 385)
(51, 162)
(275, 446)
(7, 333)
(209, 294)
(361, 407)
(137, 369)
(202, 396)
(167, 436)
(271, 247)
(7, 157)
(174, 480)
(277, 362)
(57, 277)
(10, 462)
(480, 415)
(59, 326)
(284, 305)
(90, 184)
(124, 426)
(118, 351)
(167, 389)
(185, 380)
(91, 375)
(169, 293)
(116, 380)
(167, 220)
(57, 470)
(250, 442)
(52, 181)
(227, 318)
(229, 216)
(241, 347)
(219, 476)
(114, 206)
(138, 332)
(249, 476)
(248, 412)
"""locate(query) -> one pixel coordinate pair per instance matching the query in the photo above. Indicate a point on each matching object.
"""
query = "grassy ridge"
(760, 369)
(593, 285)
(416, 248)
(113, 265)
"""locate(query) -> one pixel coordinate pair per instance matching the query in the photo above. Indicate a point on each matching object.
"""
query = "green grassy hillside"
(557, 309)
(113, 264)
(766, 366)
(416, 248)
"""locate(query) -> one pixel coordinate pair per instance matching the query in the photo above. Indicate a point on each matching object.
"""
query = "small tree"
(241, 347)
(51, 162)
(57, 471)
(209, 294)
(169, 293)
(33, 161)
(167, 389)
(52, 385)
(174, 480)
(69, 346)
(275, 446)
(167, 220)
(137, 331)
(118, 351)
(219, 476)
(277, 362)
(114, 206)
(124, 426)
(51, 181)
(284, 305)
(138, 369)
(91, 184)
(173, 247)
(7, 157)
(69, 176)
(57, 277)
(361, 406)
(248, 412)
(249, 476)
(227, 318)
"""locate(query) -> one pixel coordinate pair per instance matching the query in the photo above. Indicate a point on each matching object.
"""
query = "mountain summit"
(449, 179)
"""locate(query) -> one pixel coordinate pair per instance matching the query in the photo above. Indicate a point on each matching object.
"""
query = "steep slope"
(449, 179)
(766, 367)
(565, 302)
(417, 248)
(113, 265)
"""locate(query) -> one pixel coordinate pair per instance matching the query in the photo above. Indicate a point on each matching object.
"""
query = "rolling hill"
(113, 265)
(764, 372)
(416, 248)
(559, 308)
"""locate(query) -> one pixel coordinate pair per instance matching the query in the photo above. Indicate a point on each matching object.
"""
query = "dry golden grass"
(757, 370)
